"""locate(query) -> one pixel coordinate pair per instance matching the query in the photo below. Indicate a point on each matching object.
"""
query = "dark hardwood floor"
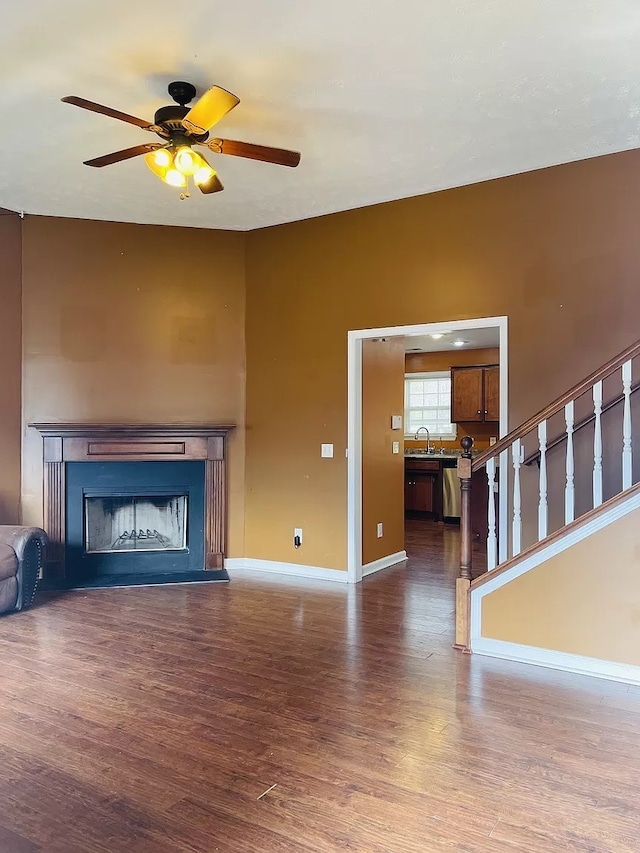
(269, 715)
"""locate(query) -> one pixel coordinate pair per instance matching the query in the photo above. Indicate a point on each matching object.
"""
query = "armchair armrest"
(29, 544)
(18, 537)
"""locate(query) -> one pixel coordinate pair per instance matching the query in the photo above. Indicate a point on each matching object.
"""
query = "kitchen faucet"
(428, 437)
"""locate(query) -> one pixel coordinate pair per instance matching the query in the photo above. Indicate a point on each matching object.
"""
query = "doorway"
(454, 330)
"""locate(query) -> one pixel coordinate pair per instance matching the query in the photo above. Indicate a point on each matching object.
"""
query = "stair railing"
(504, 544)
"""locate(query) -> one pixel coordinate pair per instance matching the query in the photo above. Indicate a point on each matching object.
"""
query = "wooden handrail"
(557, 405)
(589, 419)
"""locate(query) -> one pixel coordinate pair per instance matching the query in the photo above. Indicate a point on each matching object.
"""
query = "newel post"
(464, 473)
(463, 582)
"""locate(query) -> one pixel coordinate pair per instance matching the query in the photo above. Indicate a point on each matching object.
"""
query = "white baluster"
(627, 456)
(597, 444)
(503, 506)
(492, 541)
(569, 489)
(543, 512)
(516, 535)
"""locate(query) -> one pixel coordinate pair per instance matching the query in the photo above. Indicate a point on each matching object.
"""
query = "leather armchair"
(22, 551)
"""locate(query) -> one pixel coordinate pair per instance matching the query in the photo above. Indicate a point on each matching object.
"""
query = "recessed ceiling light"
(459, 343)
(439, 335)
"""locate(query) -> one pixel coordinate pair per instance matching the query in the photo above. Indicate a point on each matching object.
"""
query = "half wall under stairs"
(572, 604)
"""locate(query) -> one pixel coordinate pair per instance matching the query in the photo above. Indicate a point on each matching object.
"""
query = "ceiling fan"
(180, 128)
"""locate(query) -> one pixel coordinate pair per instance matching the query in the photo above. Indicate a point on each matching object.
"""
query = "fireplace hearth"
(133, 504)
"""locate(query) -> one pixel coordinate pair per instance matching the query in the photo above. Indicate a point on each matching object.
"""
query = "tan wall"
(426, 362)
(585, 601)
(10, 367)
(382, 470)
(130, 323)
(555, 250)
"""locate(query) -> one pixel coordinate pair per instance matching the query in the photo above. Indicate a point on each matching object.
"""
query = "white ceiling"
(384, 99)
(473, 339)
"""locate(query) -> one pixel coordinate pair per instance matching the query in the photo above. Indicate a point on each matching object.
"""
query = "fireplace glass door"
(135, 523)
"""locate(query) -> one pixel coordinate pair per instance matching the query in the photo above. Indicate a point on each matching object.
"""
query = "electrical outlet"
(297, 537)
(380, 530)
(396, 447)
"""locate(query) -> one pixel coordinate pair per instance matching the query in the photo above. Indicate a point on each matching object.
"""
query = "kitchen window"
(427, 403)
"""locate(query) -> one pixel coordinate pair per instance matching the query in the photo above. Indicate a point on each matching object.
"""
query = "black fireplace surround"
(134, 522)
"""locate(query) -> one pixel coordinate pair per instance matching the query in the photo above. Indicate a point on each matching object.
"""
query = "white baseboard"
(239, 564)
(383, 563)
(564, 661)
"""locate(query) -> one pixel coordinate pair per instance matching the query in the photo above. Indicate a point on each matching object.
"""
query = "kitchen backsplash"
(481, 434)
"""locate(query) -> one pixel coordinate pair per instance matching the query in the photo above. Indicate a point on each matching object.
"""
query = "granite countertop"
(452, 454)
(431, 455)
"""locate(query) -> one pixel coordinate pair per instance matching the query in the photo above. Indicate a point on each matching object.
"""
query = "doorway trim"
(354, 419)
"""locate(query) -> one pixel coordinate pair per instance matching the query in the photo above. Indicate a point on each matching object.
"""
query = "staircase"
(562, 474)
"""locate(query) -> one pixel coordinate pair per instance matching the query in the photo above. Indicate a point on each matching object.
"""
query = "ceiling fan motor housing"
(170, 118)
(170, 115)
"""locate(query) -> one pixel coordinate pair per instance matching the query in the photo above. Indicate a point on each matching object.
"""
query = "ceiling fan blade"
(279, 156)
(213, 185)
(126, 154)
(212, 106)
(107, 111)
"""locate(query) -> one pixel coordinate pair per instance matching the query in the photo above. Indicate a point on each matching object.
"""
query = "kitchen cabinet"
(492, 393)
(418, 492)
(475, 394)
(423, 487)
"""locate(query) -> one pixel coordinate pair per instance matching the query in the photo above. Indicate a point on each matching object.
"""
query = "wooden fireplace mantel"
(72, 442)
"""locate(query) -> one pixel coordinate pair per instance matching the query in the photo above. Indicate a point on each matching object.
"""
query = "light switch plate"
(396, 447)
(326, 451)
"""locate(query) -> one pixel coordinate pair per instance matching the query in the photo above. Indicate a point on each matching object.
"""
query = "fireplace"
(135, 523)
(134, 504)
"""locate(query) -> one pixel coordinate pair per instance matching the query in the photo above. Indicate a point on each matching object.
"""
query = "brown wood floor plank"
(11, 842)
(151, 720)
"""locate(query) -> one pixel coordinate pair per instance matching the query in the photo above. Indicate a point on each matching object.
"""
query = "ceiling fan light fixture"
(175, 178)
(203, 174)
(186, 160)
(162, 158)
(159, 161)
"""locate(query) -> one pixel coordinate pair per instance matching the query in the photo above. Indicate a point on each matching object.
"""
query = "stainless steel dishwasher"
(450, 490)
